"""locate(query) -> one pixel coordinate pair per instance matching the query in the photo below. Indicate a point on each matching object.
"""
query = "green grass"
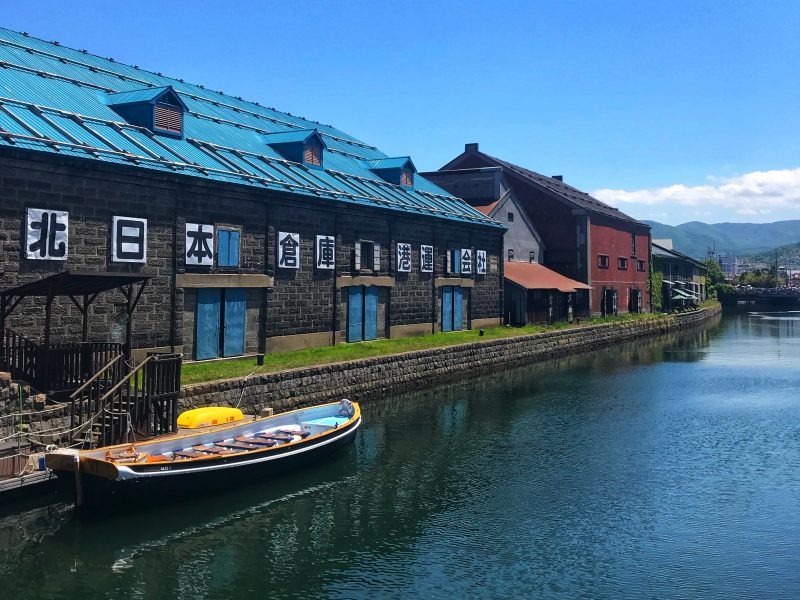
(199, 372)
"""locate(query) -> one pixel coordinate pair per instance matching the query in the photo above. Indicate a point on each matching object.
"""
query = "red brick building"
(582, 238)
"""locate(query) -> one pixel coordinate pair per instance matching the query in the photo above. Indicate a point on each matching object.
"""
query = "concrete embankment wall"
(361, 379)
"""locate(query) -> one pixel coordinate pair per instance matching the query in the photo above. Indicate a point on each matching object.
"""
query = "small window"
(407, 178)
(511, 217)
(367, 256)
(454, 261)
(602, 261)
(640, 265)
(168, 118)
(532, 256)
(228, 247)
(633, 244)
(312, 154)
(510, 254)
(622, 263)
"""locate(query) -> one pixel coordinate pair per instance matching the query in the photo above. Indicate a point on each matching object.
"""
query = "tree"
(715, 273)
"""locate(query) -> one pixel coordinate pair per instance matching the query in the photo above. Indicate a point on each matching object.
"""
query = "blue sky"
(674, 111)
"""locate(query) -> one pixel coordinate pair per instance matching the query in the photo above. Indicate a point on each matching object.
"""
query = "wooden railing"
(18, 355)
(86, 400)
(57, 368)
(143, 403)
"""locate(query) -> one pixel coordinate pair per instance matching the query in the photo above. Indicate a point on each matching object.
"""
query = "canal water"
(668, 468)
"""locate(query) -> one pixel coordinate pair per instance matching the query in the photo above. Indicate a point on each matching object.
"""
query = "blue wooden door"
(207, 323)
(458, 309)
(370, 313)
(355, 312)
(233, 335)
(447, 308)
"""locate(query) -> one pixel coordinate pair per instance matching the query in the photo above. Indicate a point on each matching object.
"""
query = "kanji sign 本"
(325, 251)
(129, 240)
(426, 259)
(46, 234)
(480, 262)
(288, 250)
(199, 245)
(466, 261)
(403, 257)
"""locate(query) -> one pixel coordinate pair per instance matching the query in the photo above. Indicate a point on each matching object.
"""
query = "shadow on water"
(544, 480)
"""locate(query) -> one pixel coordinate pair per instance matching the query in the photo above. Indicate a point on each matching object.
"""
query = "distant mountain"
(695, 238)
(789, 254)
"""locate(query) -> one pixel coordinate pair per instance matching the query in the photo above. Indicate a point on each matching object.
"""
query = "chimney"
(470, 147)
(558, 177)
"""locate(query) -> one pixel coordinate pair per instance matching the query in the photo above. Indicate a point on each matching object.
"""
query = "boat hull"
(153, 483)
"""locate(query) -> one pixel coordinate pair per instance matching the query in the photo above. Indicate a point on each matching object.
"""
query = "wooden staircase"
(120, 405)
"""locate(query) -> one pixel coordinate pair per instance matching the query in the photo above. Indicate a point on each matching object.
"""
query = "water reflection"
(658, 468)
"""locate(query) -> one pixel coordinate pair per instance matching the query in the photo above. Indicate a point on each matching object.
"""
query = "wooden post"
(43, 368)
(85, 311)
(128, 330)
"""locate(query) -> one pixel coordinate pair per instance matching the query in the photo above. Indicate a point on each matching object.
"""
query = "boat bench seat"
(256, 441)
(212, 449)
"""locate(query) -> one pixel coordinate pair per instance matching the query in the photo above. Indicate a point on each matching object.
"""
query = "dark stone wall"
(361, 379)
(299, 302)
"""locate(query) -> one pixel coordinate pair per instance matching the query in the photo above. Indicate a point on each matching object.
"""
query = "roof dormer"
(398, 170)
(158, 109)
(302, 146)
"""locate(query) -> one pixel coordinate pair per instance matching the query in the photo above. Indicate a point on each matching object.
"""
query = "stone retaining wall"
(360, 379)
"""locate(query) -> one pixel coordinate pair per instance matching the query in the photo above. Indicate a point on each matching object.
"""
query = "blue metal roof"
(291, 137)
(57, 99)
(143, 95)
(398, 162)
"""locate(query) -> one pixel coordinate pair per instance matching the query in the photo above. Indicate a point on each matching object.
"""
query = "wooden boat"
(215, 457)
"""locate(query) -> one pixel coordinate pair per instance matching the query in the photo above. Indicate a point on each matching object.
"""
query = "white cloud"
(756, 193)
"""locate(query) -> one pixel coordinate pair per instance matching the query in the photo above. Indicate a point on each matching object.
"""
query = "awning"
(682, 295)
(533, 276)
(75, 283)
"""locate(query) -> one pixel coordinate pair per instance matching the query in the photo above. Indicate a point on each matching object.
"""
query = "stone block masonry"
(360, 379)
(284, 307)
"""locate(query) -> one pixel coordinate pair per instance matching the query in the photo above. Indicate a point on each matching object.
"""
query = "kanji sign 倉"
(46, 234)
(288, 250)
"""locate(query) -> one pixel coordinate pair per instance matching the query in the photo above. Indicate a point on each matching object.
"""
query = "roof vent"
(301, 146)
(471, 147)
(399, 170)
(158, 109)
(558, 177)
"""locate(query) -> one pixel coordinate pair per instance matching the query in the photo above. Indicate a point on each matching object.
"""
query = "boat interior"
(241, 437)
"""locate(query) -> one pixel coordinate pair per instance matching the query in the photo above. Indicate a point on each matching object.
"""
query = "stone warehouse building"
(262, 231)
(578, 236)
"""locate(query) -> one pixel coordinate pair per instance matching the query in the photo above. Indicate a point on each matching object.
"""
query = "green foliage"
(722, 289)
(760, 278)
(656, 285)
(715, 273)
(198, 372)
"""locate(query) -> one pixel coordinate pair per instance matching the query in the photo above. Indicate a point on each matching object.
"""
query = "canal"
(668, 468)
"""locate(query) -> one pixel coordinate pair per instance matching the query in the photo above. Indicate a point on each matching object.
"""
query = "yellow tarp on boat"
(209, 415)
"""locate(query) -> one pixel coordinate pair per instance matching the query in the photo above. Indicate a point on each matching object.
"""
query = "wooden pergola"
(82, 288)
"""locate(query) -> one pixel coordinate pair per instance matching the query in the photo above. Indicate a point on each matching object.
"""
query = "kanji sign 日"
(129, 240)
